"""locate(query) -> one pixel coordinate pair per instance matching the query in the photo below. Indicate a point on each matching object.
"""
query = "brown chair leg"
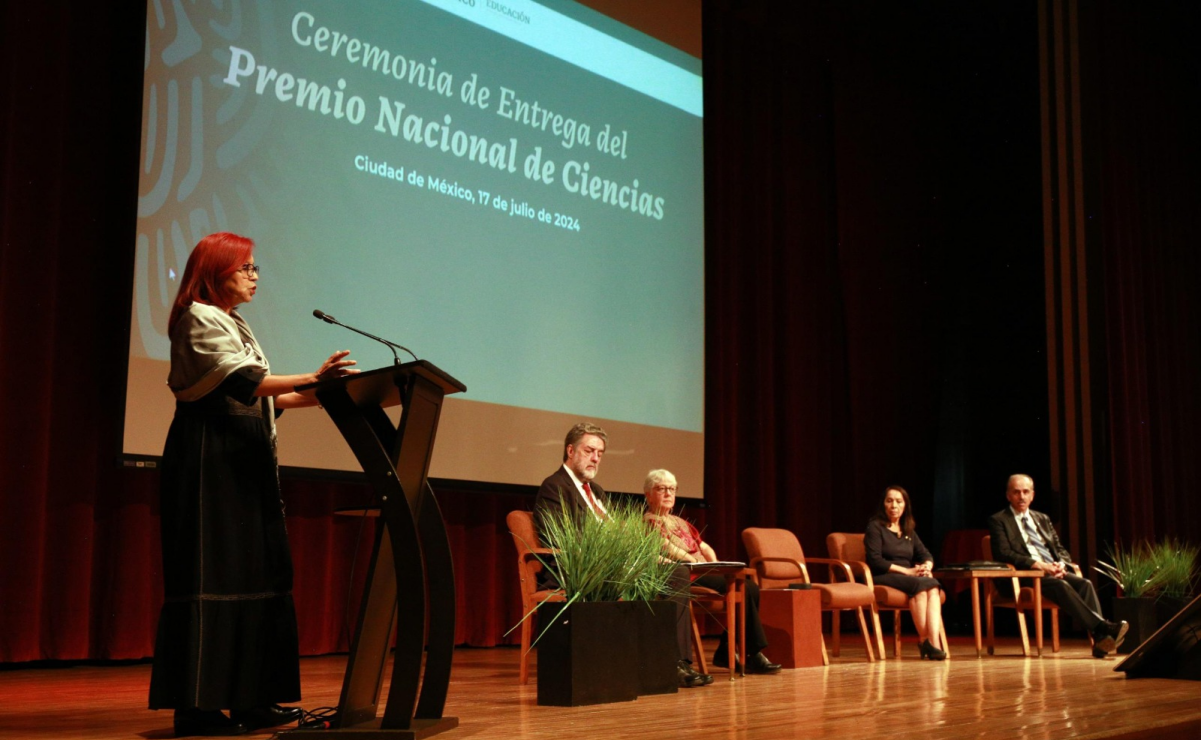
(1022, 629)
(742, 629)
(867, 638)
(991, 636)
(732, 645)
(879, 632)
(836, 632)
(697, 647)
(527, 628)
(946, 646)
(896, 633)
(1054, 629)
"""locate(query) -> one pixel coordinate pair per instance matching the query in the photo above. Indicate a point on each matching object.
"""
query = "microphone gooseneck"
(393, 346)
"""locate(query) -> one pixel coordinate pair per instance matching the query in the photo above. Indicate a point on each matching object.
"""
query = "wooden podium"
(411, 556)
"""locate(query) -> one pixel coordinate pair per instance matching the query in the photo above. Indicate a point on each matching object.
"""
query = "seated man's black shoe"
(690, 679)
(1103, 641)
(271, 716)
(721, 659)
(757, 664)
(1118, 630)
(210, 723)
(1108, 637)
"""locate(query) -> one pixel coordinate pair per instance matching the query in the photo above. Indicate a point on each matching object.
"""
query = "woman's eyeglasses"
(250, 270)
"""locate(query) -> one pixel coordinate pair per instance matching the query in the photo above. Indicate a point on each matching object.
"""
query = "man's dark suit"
(559, 493)
(1073, 594)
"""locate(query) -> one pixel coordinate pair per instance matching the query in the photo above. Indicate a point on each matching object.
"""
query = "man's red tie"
(592, 503)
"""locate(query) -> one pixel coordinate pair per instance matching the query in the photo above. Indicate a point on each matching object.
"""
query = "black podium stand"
(411, 556)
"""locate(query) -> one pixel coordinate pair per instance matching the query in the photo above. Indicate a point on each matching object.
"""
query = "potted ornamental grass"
(1176, 568)
(614, 637)
(1134, 572)
(1154, 582)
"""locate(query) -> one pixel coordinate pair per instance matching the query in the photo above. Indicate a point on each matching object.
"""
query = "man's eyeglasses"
(665, 489)
(250, 270)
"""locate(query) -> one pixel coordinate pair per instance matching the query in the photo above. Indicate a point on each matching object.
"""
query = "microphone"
(390, 345)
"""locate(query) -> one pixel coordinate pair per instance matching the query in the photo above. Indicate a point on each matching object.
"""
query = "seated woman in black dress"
(898, 558)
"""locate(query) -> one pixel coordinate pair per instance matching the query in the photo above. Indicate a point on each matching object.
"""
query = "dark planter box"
(1140, 614)
(657, 652)
(1167, 607)
(601, 652)
(588, 654)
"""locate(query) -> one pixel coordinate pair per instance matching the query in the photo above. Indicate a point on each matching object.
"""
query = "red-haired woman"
(898, 558)
(227, 634)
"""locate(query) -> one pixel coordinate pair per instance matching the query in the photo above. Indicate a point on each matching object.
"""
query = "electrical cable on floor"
(321, 718)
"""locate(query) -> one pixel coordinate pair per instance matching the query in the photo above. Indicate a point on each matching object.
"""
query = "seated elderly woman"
(898, 558)
(683, 544)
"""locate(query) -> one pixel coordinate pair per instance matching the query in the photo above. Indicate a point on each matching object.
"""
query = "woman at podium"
(227, 636)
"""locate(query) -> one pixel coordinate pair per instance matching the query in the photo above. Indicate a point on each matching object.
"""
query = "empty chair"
(777, 557)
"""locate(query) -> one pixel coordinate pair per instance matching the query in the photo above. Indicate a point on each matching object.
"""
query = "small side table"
(792, 622)
(975, 576)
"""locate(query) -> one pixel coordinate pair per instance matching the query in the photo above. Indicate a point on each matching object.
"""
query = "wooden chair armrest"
(991, 588)
(846, 569)
(1076, 569)
(534, 554)
(859, 565)
(756, 563)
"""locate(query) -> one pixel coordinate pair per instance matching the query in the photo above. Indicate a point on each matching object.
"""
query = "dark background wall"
(875, 300)
(875, 262)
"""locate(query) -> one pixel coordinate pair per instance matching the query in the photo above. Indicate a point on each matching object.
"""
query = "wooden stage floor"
(1068, 695)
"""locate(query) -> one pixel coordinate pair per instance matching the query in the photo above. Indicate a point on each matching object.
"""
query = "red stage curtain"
(1147, 115)
(874, 270)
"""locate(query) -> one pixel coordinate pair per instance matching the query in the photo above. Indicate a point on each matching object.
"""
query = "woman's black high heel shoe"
(931, 652)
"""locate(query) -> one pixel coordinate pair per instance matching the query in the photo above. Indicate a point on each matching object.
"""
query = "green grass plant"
(1165, 569)
(1133, 569)
(617, 559)
(1175, 567)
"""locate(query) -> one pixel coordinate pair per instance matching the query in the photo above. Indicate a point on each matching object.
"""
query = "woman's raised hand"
(336, 366)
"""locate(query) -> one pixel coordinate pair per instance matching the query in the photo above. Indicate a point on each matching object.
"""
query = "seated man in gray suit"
(1028, 540)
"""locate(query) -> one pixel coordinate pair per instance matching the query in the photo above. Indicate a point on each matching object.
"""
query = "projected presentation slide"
(513, 190)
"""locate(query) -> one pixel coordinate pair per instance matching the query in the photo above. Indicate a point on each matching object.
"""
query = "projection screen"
(513, 190)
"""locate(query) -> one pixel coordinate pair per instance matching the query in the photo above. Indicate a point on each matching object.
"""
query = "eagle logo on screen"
(193, 127)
